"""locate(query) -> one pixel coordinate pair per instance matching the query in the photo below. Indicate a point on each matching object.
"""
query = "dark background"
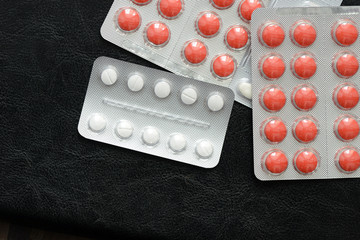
(52, 177)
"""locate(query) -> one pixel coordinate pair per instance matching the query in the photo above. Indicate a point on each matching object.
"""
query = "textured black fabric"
(50, 175)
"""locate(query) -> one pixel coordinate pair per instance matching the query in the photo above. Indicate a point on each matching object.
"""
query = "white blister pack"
(156, 112)
(306, 93)
(204, 40)
(241, 82)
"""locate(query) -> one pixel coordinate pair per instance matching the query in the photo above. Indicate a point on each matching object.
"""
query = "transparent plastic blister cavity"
(204, 40)
(306, 115)
(241, 82)
(156, 112)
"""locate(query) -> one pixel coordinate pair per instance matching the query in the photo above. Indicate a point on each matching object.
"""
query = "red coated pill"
(223, 66)
(304, 97)
(303, 34)
(306, 161)
(272, 35)
(345, 33)
(247, 7)
(272, 67)
(273, 99)
(275, 130)
(304, 66)
(237, 37)
(348, 159)
(195, 52)
(275, 162)
(208, 24)
(141, 2)
(346, 128)
(129, 19)
(346, 96)
(345, 65)
(305, 130)
(222, 4)
(158, 33)
(170, 8)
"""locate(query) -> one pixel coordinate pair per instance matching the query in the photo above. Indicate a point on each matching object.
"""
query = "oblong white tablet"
(245, 89)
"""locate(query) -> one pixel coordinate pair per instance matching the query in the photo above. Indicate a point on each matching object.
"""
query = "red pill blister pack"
(305, 71)
(204, 39)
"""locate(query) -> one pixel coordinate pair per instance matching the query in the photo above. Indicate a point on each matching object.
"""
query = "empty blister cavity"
(247, 7)
(272, 66)
(97, 123)
(271, 34)
(346, 96)
(177, 142)
(274, 162)
(109, 76)
(305, 129)
(272, 98)
(124, 129)
(304, 97)
(345, 64)
(162, 89)
(157, 34)
(346, 127)
(347, 159)
(189, 95)
(204, 149)
(128, 19)
(304, 65)
(303, 33)
(273, 130)
(208, 24)
(306, 161)
(345, 32)
(170, 9)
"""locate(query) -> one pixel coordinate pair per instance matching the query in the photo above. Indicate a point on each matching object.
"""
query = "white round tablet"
(135, 83)
(204, 149)
(177, 142)
(189, 96)
(97, 123)
(124, 129)
(151, 136)
(109, 76)
(215, 102)
(245, 89)
(162, 89)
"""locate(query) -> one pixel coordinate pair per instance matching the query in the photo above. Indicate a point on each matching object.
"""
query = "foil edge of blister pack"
(214, 125)
(326, 142)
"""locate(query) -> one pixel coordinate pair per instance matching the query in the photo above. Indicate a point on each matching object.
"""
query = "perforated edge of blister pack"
(156, 112)
(327, 144)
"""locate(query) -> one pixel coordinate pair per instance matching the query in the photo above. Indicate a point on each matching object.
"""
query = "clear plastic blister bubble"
(310, 111)
(156, 112)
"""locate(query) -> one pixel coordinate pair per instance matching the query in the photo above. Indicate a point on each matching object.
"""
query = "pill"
(208, 24)
(346, 65)
(158, 33)
(272, 67)
(222, 4)
(109, 76)
(124, 129)
(345, 33)
(204, 149)
(245, 89)
(275, 162)
(305, 130)
(346, 96)
(304, 97)
(304, 66)
(272, 35)
(348, 159)
(151, 136)
(306, 161)
(189, 96)
(237, 37)
(97, 123)
(215, 102)
(195, 52)
(303, 34)
(135, 83)
(273, 99)
(346, 128)
(275, 130)
(129, 19)
(170, 8)
(223, 66)
(177, 142)
(141, 2)
(247, 7)
(162, 89)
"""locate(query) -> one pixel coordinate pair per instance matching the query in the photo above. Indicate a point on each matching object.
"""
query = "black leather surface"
(50, 175)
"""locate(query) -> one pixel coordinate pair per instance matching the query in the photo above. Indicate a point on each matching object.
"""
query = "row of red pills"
(304, 97)
(208, 25)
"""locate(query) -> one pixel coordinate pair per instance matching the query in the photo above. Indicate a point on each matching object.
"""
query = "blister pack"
(204, 39)
(241, 82)
(156, 112)
(305, 93)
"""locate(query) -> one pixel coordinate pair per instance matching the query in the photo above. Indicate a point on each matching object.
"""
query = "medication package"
(241, 82)
(156, 112)
(306, 107)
